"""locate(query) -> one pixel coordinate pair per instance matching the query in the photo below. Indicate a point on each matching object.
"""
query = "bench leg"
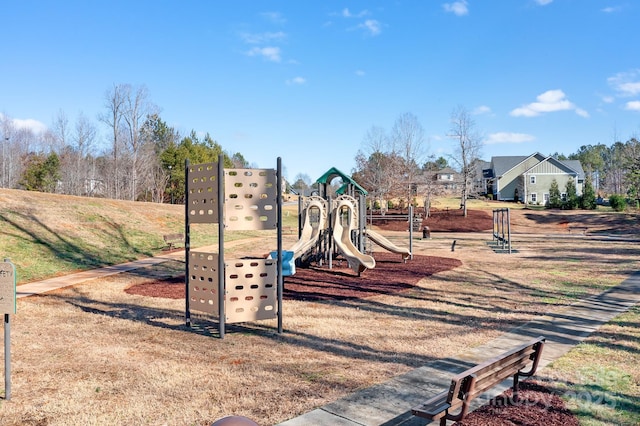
(515, 388)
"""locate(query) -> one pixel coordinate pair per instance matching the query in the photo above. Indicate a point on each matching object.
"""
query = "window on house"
(534, 197)
(532, 179)
(563, 196)
(546, 199)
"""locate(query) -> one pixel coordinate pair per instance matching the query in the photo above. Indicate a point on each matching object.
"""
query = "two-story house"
(528, 178)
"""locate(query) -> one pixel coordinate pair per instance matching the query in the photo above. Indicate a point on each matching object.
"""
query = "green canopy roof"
(332, 173)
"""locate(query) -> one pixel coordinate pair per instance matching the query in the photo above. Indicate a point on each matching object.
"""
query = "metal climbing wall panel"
(203, 282)
(250, 199)
(250, 293)
(203, 193)
(251, 290)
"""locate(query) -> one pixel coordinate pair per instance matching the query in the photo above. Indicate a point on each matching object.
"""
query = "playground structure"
(502, 228)
(251, 289)
(330, 227)
(234, 290)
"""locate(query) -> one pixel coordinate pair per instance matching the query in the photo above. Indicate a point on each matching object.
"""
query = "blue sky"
(305, 80)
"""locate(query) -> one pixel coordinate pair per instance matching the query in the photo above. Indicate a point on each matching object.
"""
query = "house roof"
(447, 171)
(503, 164)
(574, 165)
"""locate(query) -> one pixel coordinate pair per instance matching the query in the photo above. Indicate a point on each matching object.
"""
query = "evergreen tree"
(41, 172)
(572, 196)
(555, 200)
(588, 198)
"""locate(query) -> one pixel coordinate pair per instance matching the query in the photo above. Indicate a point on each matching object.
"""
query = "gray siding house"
(520, 178)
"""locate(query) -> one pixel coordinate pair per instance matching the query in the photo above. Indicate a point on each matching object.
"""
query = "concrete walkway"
(390, 403)
(55, 283)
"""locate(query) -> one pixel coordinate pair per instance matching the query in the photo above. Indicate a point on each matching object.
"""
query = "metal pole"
(221, 271)
(411, 231)
(7, 358)
(280, 289)
(509, 228)
(329, 247)
(187, 242)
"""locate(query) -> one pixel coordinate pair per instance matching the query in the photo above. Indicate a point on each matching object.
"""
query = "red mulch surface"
(443, 221)
(537, 406)
(391, 275)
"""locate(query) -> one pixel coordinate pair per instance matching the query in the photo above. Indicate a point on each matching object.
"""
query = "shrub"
(617, 202)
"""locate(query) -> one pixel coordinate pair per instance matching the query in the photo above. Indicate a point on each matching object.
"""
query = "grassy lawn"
(600, 378)
(95, 354)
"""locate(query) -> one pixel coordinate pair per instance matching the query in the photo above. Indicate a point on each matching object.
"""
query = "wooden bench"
(473, 382)
(582, 229)
(173, 239)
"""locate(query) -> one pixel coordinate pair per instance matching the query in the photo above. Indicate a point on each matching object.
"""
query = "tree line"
(144, 158)
(397, 164)
(614, 169)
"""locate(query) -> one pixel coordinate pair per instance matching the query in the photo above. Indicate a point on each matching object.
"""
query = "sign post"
(7, 307)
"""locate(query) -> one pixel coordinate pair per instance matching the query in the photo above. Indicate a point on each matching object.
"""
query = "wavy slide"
(387, 245)
(310, 233)
(342, 236)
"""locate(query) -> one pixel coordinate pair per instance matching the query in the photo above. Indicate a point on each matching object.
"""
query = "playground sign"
(7, 288)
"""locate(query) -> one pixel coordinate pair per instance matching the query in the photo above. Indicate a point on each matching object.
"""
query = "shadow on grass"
(76, 254)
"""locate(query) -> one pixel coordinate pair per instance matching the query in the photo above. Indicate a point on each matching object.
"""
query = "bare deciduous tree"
(114, 101)
(468, 145)
(407, 136)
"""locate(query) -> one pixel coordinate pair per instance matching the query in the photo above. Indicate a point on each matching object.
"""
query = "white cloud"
(608, 99)
(549, 101)
(458, 8)
(482, 109)
(372, 26)
(611, 9)
(269, 53)
(346, 13)
(544, 2)
(261, 38)
(26, 124)
(632, 106)
(360, 73)
(275, 17)
(297, 81)
(582, 113)
(626, 83)
(508, 137)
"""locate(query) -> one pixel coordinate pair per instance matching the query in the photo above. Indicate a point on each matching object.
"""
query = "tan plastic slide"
(310, 231)
(342, 236)
(387, 245)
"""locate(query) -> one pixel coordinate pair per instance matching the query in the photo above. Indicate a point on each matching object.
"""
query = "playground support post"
(221, 272)
(187, 243)
(280, 289)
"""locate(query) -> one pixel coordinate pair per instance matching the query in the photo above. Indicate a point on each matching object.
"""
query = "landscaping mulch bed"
(538, 406)
(391, 275)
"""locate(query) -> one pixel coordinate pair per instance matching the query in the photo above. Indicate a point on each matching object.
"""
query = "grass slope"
(48, 234)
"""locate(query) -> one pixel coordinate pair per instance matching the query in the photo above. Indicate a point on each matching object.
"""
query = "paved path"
(50, 284)
(390, 403)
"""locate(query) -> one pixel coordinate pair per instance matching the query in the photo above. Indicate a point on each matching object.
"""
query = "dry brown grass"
(94, 354)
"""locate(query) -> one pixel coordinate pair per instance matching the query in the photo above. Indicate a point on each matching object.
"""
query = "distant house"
(520, 178)
(448, 180)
